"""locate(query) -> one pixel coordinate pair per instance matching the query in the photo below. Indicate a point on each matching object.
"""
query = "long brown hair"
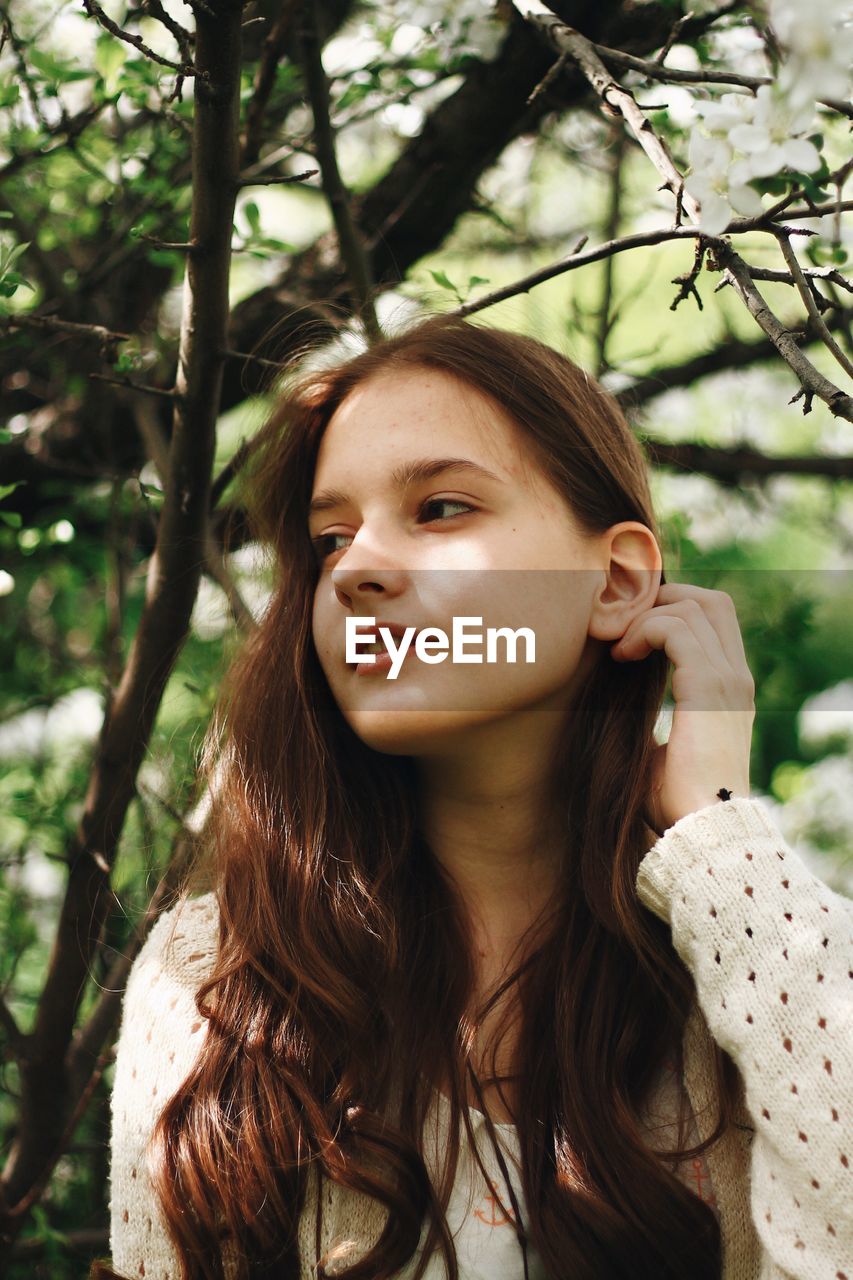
(343, 980)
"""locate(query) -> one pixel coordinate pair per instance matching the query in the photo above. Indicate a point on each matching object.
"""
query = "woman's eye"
(324, 543)
(445, 502)
(321, 545)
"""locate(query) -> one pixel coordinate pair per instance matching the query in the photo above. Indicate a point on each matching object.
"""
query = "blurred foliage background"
(95, 153)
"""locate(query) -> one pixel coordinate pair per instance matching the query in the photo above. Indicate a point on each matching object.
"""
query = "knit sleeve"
(769, 947)
(159, 1039)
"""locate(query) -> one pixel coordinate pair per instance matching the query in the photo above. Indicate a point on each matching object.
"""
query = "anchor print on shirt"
(494, 1216)
(700, 1173)
(700, 1177)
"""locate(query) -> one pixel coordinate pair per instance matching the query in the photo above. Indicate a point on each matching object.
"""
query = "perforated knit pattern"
(769, 947)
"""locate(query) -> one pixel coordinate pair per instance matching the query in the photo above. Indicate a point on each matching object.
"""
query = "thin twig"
(218, 570)
(612, 219)
(573, 261)
(830, 274)
(182, 246)
(813, 382)
(231, 469)
(554, 71)
(805, 291)
(136, 386)
(838, 178)
(675, 31)
(95, 11)
(653, 69)
(182, 37)
(277, 181)
(107, 339)
(352, 250)
(816, 211)
(728, 353)
(247, 355)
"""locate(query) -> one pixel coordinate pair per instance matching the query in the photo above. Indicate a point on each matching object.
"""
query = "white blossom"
(772, 140)
(710, 184)
(720, 116)
(743, 138)
(455, 26)
(818, 40)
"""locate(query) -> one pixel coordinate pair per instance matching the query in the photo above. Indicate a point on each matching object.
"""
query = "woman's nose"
(367, 573)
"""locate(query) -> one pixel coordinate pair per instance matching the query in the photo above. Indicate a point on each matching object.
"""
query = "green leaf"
(472, 280)
(109, 61)
(54, 70)
(252, 214)
(279, 246)
(6, 489)
(5, 436)
(12, 518)
(15, 278)
(446, 283)
(10, 255)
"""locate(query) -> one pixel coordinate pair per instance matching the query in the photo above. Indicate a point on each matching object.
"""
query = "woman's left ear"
(632, 563)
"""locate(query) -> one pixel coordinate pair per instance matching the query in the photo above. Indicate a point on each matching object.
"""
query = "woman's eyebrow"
(408, 473)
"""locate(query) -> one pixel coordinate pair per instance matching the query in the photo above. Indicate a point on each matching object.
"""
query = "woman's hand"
(713, 690)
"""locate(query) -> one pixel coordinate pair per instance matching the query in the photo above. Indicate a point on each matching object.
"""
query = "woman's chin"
(410, 731)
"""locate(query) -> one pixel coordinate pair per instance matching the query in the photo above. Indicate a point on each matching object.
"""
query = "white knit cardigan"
(770, 948)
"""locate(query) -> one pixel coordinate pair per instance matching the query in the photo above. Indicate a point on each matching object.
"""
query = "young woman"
(489, 985)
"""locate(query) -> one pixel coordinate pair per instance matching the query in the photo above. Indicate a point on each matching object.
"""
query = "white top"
(487, 1247)
(769, 947)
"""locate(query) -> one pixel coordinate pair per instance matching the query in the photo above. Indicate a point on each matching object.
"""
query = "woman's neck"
(487, 817)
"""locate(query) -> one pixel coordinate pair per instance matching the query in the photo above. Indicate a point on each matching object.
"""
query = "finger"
(635, 644)
(695, 681)
(673, 634)
(720, 609)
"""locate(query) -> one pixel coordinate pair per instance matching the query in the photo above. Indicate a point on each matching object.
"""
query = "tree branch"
(615, 98)
(612, 219)
(353, 253)
(730, 465)
(271, 55)
(129, 385)
(89, 1040)
(813, 382)
(157, 447)
(731, 353)
(95, 11)
(805, 291)
(174, 569)
(106, 339)
(275, 180)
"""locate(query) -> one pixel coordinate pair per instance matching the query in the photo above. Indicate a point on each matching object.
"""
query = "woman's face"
(488, 537)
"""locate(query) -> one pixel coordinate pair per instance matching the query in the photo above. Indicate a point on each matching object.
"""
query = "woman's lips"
(381, 662)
